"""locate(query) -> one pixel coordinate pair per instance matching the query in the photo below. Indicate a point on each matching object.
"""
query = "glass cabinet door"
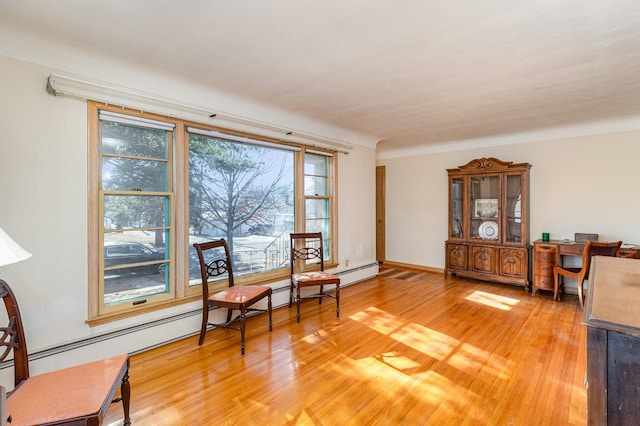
(513, 207)
(484, 207)
(456, 191)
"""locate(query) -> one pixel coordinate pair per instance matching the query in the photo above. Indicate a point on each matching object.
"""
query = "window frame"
(181, 292)
(328, 197)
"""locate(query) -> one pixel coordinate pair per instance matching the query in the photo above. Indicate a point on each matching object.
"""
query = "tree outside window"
(245, 194)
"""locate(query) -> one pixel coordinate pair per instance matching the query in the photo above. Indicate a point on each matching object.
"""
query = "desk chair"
(591, 248)
(215, 260)
(306, 248)
(77, 395)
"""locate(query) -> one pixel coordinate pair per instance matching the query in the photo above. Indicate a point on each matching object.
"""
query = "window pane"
(317, 208)
(136, 211)
(132, 141)
(124, 174)
(242, 193)
(133, 266)
(315, 165)
(314, 185)
(318, 225)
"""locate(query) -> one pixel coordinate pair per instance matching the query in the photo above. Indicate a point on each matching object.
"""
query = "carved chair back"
(12, 338)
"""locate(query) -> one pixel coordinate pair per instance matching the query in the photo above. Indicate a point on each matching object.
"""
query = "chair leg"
(125, 391)
(203, 328)
(556, 286)
(580, 292)
(298, 304)
(269, 310)
(338, 300)
(320, 298)
(291, 294)
(243, 320)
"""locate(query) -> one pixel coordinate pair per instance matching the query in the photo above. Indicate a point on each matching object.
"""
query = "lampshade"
(10, 251)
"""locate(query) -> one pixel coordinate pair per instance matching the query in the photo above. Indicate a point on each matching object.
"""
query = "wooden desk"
(547, 254)
(612, 317)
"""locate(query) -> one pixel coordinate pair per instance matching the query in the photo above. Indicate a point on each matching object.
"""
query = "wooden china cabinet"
(489, 221)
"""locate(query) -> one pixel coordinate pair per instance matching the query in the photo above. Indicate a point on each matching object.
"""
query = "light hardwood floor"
(409, 348)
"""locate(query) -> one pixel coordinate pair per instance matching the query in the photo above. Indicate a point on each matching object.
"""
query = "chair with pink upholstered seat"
(215, 261)
(307, 254)
(75, 395)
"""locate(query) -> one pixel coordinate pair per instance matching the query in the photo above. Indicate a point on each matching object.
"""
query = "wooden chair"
(215, 260)
(306, 248)
(77, 395)
(591, 248)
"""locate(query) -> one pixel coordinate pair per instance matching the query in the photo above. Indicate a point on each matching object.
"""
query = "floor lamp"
(10, 252)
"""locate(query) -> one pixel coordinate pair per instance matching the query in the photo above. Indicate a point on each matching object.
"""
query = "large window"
(244, 193)
(135, 199)
(157, 185)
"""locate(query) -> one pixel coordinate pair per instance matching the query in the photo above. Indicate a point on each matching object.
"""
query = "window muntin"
(136, 208)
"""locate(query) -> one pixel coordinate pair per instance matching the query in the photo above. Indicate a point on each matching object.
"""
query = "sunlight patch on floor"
(465, 357)
(449, 396)
(378, 320)
(397, 361)
(471, 360)
(416, 336)
(317, 337)
(435, 344)
(493, 300)
(430, 388)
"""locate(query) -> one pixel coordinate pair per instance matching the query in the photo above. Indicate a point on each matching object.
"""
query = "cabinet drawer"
(543, 281)
(545, 257)
(456, 256)
(544, 268)
(484, 259)
(514, 262)
(545, 253)
(629, 253)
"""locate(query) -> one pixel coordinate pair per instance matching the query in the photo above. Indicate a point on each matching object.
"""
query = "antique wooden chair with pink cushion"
(307, 251)
(77, 395)
(591, 248)
(215, 260)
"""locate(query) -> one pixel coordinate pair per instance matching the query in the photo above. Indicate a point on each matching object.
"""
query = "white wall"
(43, 185)
(582, 184)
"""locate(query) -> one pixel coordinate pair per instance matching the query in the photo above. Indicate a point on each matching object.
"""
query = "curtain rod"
(61, 85)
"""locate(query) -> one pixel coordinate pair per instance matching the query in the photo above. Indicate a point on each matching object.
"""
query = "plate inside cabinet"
(488, 230)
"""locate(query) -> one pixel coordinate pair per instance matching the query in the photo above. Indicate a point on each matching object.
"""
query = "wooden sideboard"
(547, 254)
(612, 317)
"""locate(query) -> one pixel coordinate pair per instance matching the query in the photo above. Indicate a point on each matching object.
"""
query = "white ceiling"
(404, 72)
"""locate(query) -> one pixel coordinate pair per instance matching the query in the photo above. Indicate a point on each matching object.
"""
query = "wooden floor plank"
(410, 347)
